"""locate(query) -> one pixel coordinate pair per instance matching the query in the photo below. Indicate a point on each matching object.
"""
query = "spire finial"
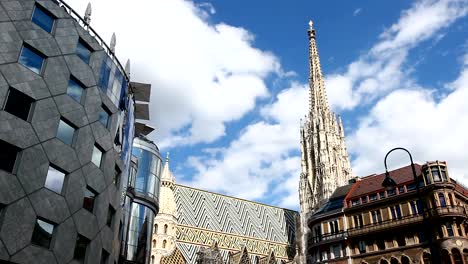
(112, 43)
(311, 25)
(167, 156)
(87, 16)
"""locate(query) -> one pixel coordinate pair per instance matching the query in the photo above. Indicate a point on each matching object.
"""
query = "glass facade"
(139, 233)
(97, 156)
(83, 51)
(113, 83)
(149, 170)
(43, 18)
(31, 59)
(54, 180)
(65, 132)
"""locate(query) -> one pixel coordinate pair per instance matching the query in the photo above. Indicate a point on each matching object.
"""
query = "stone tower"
(165, 222)
(325, 162)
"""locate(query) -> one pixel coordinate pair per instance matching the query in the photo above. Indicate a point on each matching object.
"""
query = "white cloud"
(202, 75)
(432, 129)
(259, 163)
(357, 11)
(382, 69)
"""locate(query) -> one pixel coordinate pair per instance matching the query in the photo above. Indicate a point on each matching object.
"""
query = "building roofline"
(236, 198)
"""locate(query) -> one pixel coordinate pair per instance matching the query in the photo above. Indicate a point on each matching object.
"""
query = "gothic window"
(154, 243)
(442, 200)
(164, 244)
(165, 229)
(155, 228)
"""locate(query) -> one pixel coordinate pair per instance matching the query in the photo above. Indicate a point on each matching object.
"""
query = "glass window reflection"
(31, 59)
(65, 132)
(88, 199)
(75, 90)
(42, 234)
(97, 156)
(104, 116)
(54, 180)
(43, 18)
(141, 223)
(83, 51)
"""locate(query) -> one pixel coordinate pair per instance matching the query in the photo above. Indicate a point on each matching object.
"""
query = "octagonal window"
(97, 156)
(8, 156)
(83, 51)
(75, 89)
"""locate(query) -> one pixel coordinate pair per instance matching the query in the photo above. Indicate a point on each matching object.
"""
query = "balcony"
(449, 210)
(326, 238)
(384, 225)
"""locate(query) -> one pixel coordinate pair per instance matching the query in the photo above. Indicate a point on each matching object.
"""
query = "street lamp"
(388, 183)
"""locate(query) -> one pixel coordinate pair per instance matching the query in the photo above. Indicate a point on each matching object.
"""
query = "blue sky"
(229, 83)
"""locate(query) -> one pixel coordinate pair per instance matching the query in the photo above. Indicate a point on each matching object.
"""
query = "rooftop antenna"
(87, 16)
(112, 43)
(127, 68)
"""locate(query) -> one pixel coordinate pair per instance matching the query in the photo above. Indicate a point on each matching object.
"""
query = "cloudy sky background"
(229, 84)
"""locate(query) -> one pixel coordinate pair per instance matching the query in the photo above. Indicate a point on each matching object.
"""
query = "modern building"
(66, 131)
(325, 163)
(364, 222)
(197, 226)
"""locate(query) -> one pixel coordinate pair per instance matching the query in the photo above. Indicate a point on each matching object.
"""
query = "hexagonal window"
(43, 18)
(18, 104)
(8, 156)
(83, 50)
(65, 132)
(31, 59)
(104, 116)
(75, 89)
(42, 234)
(104, 257)
(88, 200)
(54, 180)
(110, 216)
(97, 156)
(81, 246)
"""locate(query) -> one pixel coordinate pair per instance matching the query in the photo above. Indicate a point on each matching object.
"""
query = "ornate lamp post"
(389, 183)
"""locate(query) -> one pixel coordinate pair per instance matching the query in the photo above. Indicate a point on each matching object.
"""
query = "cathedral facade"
(197, 226)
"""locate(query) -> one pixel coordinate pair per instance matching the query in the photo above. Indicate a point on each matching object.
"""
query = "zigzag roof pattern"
(226, 214)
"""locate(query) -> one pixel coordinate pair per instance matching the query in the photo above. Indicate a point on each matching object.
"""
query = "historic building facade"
(364, 222)
(67, 123)
(192, 220)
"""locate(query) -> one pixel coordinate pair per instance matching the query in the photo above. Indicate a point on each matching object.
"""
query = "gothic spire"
(318, 96)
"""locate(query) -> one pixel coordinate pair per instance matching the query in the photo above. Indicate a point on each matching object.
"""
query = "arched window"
(164, 244)
(405, 260)
(394, 261)
(383, 261)
(154, 242)
(457, 258)
(165, 229)
(426, 258)
(155, 228)
(445, 257)
(152, 259)
(465, 255)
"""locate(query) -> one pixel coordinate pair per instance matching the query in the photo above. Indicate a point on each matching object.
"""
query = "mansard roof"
(373, 183)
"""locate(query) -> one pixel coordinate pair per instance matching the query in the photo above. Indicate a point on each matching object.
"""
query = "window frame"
(18, 93)
(36, 52)
(12, 149)
(51, 235)
(85, 44)
(46, 12)
(70, 124)
(72, 78)
(53, 166)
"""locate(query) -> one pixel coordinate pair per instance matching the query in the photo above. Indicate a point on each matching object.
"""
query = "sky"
(230, 84)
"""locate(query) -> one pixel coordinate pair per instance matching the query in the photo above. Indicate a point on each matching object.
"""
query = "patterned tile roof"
(205, 217)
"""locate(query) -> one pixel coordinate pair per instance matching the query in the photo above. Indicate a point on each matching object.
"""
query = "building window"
(355, 202)
(54, 180)
(318, 233)
(435, 174)
(411, 187)
(381, 244)
(334, 229)
(104, 116)
(364, 199)
(336, 250)
(104, 257)
(83, 51)
(18, 104)
(110, 216)
(117, 174)
(43, 18)
(396, 211)
(8, 156)
(391, 192)
(448, 226)
(401, 240)
(88, 200)
(376, 216)
(156, 228)
(415, 207)
(443, 173)
(65, 132)
(358, 220)
(373, 197)
(97, 156)
(401, 189)
(42, 234)
(165, 229)
(362, 246)
(75, 89)
(81, 246)
(31, 59)
(164, 244)
(442, 200)
(382, 194)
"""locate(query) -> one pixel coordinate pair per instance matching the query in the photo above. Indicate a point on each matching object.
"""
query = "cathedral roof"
(373, 183)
